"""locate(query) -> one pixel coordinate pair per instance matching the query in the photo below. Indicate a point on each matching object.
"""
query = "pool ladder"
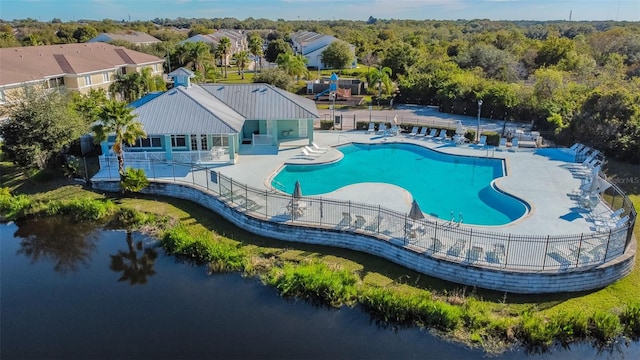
(453, 219)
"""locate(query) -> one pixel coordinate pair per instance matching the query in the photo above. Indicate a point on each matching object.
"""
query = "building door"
(302, 128)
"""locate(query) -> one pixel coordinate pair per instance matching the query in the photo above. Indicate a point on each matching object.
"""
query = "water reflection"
(134, 269)
(55, 240)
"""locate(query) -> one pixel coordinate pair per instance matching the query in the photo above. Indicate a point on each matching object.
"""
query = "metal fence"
(436, 238)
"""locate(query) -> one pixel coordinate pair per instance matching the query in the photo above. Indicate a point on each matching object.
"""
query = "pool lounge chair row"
(435, 134)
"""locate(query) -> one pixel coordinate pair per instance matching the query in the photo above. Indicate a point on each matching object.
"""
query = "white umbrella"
(395, 119)
(460, 129)
(598, 185)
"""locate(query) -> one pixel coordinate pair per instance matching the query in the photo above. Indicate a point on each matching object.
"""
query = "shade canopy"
(297, 191)
(415, 213)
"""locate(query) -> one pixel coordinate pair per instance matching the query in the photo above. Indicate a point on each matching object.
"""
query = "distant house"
(75, 67)
(311, 45)
(209, 123)
(134, 37)
(238, 39)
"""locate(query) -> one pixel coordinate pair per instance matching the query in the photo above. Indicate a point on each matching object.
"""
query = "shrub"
(493, 138)
(326, 124)
(203, 249)
(315, 281)
(605, 326)
(80, 209)
(406, 308)
(134, 180)
(13, 206)
(535, 331)
(630, 318)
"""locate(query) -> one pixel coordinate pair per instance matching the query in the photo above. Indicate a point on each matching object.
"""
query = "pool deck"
(545, 178)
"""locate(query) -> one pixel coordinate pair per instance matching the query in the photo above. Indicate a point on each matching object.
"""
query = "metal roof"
(189, 110)
(263, 101)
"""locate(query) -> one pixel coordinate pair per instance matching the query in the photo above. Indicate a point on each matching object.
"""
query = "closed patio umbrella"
(297, 191)
(415, 213)
(460, 130)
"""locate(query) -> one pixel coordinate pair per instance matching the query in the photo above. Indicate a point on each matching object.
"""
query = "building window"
(105, 77)
(155, 67)
(178, 141)
(203, 142)
(87, 80)
(220, 140)
(2, 97)
(194, 142)
(149, 142)
(55, 83)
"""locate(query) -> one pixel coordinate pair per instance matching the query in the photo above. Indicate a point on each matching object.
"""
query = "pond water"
(74, 291)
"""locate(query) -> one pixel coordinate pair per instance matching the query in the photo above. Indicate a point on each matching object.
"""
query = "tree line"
(579, 81)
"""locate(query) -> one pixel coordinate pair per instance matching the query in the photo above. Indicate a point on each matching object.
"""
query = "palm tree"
(130, 87)
(255, 47)
(224, 46)
(241, 59)
(117, 118)
(199, 55)
(294, 65)
(382, 76)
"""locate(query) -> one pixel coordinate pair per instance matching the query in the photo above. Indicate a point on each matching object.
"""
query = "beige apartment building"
(75, 67)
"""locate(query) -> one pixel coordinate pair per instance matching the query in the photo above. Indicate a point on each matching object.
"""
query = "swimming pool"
(440, 183)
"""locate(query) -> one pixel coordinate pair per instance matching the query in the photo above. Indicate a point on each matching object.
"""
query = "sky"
(69, 10)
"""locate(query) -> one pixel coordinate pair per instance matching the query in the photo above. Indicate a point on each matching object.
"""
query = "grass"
(336, 277)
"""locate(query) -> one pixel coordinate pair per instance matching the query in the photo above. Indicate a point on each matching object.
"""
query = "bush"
(315, 281)
(493, 138)
(535, 331)
(630, 318)
(134, 180)
(406, 308)
(203, 249)
(326, 124)
(605, 326)
(11, 207)
(80, 209)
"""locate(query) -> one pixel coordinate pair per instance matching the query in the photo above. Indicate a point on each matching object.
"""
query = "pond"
(76, 291)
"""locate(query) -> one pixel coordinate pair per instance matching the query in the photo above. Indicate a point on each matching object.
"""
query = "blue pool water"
(440, 183)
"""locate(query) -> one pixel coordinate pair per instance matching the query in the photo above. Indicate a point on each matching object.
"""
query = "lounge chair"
(307, 153)
(609, 225)
(431, 134)
(372, 128)
(346, 219)
(610, 217)
(360, 221)
(422, 132)
(374, 225)
(503, 144)
(475, 253)
(394, 130)
(457, 248)
(414, 131)
(318, 148)
(483, 141)
(313, 151)
(442, 136)
(383, 129)
(514, 144)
